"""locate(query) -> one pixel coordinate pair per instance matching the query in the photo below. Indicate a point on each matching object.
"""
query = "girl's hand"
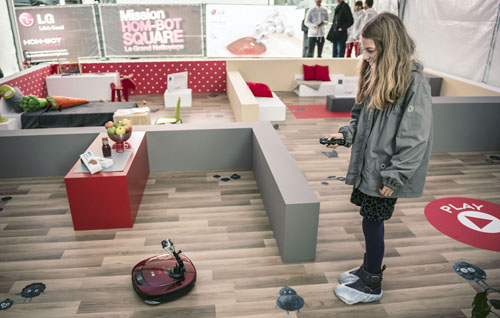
(334, 136)
(386, 191)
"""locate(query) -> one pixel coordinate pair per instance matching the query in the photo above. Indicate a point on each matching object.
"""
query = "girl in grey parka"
(390, 133)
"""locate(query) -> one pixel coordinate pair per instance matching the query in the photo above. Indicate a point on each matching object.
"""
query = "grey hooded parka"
(397, 150)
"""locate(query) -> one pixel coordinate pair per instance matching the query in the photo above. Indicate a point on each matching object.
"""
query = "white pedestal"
(271, 109)
(90, 86)
(171, 97)
(10, 124)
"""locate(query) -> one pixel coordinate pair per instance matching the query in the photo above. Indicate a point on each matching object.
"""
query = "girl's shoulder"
(417, 71)
(418, 78)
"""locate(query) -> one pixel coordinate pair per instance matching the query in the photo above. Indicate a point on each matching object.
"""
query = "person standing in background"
(342, 20)
(316, 18)
(354, 31)
(305, 41)
(370, 13)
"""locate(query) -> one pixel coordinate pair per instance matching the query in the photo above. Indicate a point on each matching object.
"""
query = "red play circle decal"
(470, 221)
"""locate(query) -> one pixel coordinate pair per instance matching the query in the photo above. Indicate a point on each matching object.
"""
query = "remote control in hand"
(325, 141)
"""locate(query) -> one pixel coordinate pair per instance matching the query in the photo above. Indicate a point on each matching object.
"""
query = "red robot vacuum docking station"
(165, 277)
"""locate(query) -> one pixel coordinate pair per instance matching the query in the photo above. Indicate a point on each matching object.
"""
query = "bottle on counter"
(106, 149)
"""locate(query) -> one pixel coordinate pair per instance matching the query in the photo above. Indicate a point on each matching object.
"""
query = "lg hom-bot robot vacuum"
(165, 277)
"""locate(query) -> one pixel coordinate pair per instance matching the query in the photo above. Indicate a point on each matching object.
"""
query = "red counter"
(109, 200)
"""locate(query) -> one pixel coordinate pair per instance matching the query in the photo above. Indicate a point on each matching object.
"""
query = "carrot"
(62, 102)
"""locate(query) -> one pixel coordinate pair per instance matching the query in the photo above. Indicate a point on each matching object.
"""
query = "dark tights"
(374, 240)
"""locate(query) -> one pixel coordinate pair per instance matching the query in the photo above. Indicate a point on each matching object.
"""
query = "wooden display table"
(108, 200)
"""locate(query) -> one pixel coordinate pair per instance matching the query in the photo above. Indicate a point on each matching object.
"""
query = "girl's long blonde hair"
(389, 78)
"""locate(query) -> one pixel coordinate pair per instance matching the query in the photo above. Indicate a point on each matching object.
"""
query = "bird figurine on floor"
(290, 301)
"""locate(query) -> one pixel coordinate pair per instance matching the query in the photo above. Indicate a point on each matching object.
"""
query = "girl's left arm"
(412, 138)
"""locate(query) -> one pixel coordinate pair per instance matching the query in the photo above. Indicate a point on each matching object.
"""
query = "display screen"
(253, 30)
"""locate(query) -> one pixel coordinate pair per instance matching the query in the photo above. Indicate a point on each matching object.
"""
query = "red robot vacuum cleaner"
(165, 277)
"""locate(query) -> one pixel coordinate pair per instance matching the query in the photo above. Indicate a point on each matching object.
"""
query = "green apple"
(112, 130)
(118, 124)
(121, 130)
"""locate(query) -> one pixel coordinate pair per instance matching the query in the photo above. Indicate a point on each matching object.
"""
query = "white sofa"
(271, 109)
(247, 107)
(326, 88)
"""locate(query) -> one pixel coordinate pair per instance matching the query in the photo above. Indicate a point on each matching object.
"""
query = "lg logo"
(47, 19)
(27, 20)
(214, 12)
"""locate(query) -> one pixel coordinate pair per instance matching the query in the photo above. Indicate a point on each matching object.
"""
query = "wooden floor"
(224, 229)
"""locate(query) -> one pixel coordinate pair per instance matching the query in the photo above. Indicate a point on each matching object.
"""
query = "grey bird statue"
(290, 301)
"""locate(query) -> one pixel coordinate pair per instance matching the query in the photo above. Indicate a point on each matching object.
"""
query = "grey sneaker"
(368, 288)
(351, 275)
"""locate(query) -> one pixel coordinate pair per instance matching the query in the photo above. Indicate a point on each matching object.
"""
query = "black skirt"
(373, 208)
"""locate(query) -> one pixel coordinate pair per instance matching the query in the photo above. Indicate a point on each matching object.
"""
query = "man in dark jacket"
(342, 20)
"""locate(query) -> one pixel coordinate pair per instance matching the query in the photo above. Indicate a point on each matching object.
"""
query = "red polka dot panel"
(32, 83)
(151, 77)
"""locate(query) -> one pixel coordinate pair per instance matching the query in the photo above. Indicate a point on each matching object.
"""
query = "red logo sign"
(470, 221)
(26, 19)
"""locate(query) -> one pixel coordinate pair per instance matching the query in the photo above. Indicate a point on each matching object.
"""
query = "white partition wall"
(453, 36)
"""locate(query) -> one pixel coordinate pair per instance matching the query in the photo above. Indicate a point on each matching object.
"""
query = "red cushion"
(260, 89)
(309, 73)
(322, 73)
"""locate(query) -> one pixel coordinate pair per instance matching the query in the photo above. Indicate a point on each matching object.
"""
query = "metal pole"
(15, 33)
(492, 47)
(401, 9)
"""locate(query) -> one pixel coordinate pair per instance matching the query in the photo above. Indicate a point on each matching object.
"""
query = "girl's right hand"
(334, 136)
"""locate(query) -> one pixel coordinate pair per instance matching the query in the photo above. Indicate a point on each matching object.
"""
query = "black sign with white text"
(50, 33)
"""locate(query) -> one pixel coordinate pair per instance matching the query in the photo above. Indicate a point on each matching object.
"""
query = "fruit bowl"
(120, 141)
(120, 138)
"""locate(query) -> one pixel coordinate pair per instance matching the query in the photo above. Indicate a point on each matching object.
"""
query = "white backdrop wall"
(8, 58)
(386, 6)
(263, 2)
(453, 36)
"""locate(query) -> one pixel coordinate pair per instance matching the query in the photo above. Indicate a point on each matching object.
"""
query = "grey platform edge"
(344, 104)
(463, 124)
(291, 205)
(435, 82)
(339, 104)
